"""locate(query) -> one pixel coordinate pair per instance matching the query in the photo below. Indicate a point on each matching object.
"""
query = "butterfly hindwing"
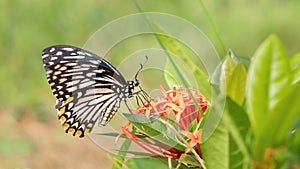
(86, 87)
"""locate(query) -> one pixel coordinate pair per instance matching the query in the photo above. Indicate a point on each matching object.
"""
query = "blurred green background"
(30, 135)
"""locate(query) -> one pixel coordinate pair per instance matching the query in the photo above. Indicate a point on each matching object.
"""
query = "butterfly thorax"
(127, 90)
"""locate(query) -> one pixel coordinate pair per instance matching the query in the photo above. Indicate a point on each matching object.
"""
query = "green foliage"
(265, 123)
(189, 159)
(159, 128)
(238, 124)
(233, 79)
(295, 67)
(254, 129)
(216, 148)
(187, 65)
(182, 67)
(147, 163)
(227, 147)
(271, 95)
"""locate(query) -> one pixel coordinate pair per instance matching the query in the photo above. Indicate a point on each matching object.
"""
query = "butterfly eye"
(136, 83)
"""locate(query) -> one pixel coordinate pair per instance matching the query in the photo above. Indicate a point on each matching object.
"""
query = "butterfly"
(87, 87)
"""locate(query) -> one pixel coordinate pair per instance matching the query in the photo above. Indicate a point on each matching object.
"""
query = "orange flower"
(180, 103)
(195, 139)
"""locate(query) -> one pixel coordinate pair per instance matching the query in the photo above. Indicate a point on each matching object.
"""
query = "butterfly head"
(132, 84)
(136, 83)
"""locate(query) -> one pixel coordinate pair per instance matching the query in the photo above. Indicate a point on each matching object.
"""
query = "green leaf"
(157, 129)
(173, 77)
(226, 148)
(233, 79)
(146, 163)
(118, 161)
(290, 112)
(186, 63)
(295, 67)
(237, 159)
(237, 121)
(295, 141)
(189, 159)
(216, 149)
(268, 85)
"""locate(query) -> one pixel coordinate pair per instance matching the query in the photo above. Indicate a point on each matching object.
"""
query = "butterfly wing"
(85, 86)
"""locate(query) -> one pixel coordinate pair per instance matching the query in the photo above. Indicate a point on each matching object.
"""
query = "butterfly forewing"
(87, 87)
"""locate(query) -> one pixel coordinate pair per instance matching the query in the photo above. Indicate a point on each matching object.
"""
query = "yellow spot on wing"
(86, 131)
(62, 119)
(78, 133)
(66, 125)
(71, 130)
(62, 110)
(68, 100)
(90, 125)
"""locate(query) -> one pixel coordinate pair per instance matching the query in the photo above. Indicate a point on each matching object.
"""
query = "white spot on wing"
(80, 53)
(62, 80)
(83, 85)
(99, 71)
(95, 62)
(44, 56)
(59, 53)
(72, 83)
(59, 87)
(88, 54)
(49, 71)
(71, 64)
(57, 73)
(68, 49)
(74, 57)
(90, 74)
(71, 89)
(63, 68)
(101, 99)
(54, 58)
(57, 66)
(71, 105)
(102, 90)
(79, 94)
(52, 49)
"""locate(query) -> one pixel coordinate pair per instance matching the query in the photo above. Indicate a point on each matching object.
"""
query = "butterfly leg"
(142, 96)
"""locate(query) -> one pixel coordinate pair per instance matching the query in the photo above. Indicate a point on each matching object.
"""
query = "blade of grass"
(212, 25)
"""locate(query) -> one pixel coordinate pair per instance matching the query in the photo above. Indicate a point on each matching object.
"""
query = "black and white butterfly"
(87, 88)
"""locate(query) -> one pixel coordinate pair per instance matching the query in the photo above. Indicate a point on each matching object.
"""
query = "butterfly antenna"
(142, 66)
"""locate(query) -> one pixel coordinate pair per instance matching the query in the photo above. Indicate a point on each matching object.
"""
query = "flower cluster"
(180, 104)
(178, 101)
